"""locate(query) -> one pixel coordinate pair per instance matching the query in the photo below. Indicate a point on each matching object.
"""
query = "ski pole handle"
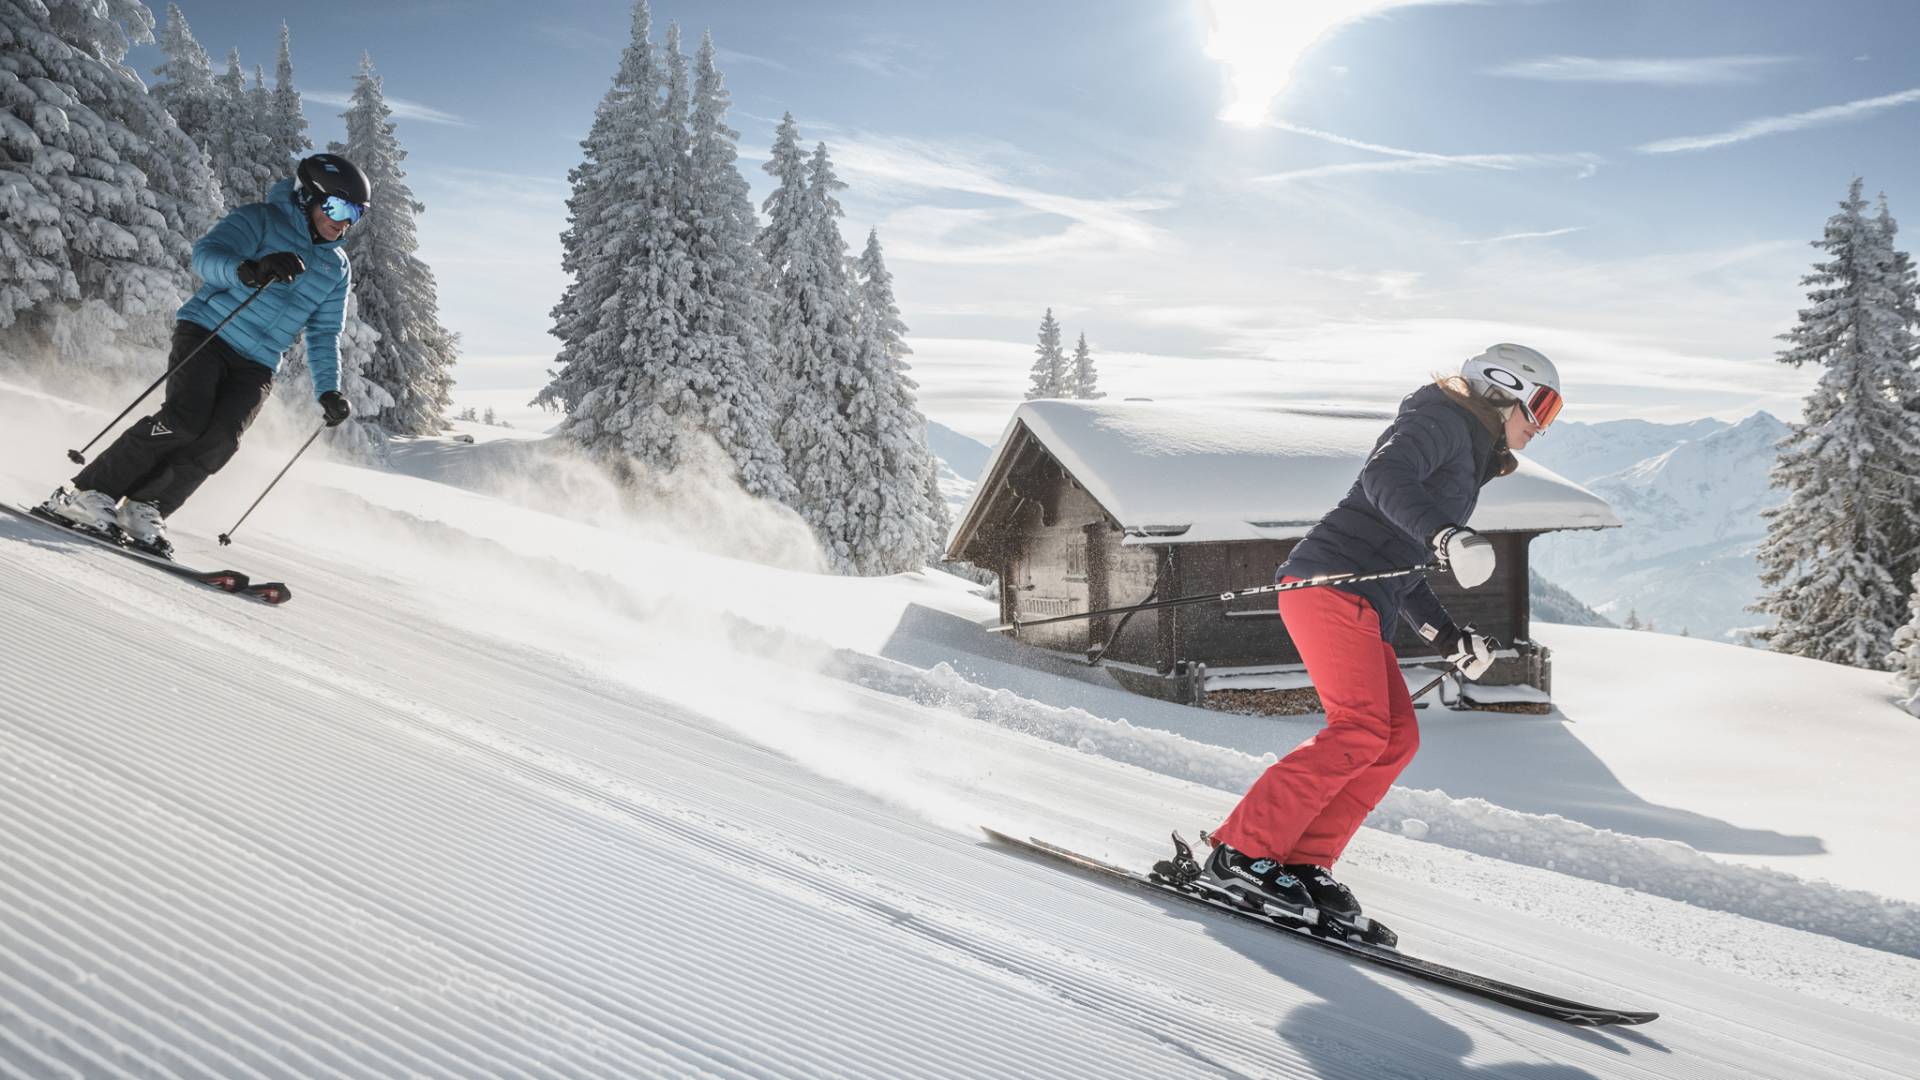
(227, 537)
(79, 457)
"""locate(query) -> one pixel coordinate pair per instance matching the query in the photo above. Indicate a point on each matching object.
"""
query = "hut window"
(1077, 559)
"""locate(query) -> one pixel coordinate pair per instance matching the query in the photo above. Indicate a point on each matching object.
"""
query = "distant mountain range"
(1689, 497)
(961, 461)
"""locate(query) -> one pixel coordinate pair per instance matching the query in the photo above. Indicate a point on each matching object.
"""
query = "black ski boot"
(1339, 912)
(1258, 883)
(1332, 898)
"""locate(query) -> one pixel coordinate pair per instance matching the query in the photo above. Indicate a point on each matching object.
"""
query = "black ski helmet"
(330, 174)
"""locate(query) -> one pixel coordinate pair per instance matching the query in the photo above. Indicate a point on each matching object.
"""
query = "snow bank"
(1659, 867)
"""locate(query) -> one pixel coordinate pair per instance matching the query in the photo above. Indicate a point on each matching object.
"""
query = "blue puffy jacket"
(315, 302)
(1425, 473)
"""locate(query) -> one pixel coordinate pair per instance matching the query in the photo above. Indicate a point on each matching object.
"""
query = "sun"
(1261, 41)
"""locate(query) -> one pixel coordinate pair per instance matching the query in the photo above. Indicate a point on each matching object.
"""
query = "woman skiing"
(1410, 504)
(281, 260)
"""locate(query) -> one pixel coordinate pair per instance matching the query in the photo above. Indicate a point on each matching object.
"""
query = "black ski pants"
(164, 458)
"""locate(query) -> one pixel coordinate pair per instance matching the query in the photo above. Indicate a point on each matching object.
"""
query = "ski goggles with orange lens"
(340, 209)
(1544, 405)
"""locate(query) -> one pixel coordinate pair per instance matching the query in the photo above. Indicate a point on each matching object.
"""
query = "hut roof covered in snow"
(1187, 474)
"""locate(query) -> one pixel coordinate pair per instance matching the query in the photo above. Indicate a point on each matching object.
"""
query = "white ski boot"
(146, 529)
(93, 511)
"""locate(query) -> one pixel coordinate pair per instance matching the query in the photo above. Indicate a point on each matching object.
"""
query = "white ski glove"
(1467, 649)
(1468, 554)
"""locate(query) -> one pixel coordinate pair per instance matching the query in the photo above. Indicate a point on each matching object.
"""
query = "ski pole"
(1225, 597)
(227, 537)
(1451, 669)
(79, 457)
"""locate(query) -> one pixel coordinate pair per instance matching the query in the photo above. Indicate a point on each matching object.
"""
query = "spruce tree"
(1082, 381)
(605, 213)
(727, 340)
(413, 359)
(912, 518)
(237, 148)
(187, 90)
(815, 341)
(101, 193)
(624, 322)
(1838, 561)
(785, 206)
(1050, 363)
(287, 116)
(1904, 659)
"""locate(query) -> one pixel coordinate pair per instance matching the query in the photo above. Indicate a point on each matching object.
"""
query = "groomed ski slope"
(459, 811)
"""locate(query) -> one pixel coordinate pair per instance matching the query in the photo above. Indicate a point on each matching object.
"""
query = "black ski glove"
(334, 404)
(279, 266)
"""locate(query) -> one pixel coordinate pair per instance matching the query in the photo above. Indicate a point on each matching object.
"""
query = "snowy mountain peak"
(1585, 452)
(1691, 512)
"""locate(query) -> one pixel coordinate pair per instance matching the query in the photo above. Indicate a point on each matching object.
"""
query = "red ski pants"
(1307, 806)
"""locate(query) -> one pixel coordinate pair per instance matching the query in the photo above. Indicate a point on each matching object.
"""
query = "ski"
(1332, 938)
(228, 581)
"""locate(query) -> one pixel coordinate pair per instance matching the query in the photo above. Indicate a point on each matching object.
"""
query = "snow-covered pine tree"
(786, 205)
(413, 359)
(287, 123)
(1836, 563)
(815, 336)
(913, 520)
(260, 104)
(1083, 383)
(1904, 660)
(601, 240)
(727, 331)
(101, 194)
(1903, 285)
(623, 322)
(238, 149)
(188, 89)
(1050, 363)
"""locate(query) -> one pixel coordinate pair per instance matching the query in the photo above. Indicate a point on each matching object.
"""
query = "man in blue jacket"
(270, 271)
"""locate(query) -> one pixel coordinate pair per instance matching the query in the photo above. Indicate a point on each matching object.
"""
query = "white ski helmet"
(1514, 373)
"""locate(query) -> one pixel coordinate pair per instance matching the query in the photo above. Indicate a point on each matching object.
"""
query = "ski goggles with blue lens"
(340, 209)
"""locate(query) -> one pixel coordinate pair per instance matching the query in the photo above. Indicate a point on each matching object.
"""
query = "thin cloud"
(1415, 160)
(890, 56)
(402, 109)
(735, 58)
(1775, 125)
(1527, 235)
(1653, 71)
(905, 170)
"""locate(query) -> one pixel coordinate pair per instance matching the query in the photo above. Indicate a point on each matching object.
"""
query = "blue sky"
(1232, 205)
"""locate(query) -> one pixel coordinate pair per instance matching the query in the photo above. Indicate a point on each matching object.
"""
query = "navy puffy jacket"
(1425, 473)
(314, 303)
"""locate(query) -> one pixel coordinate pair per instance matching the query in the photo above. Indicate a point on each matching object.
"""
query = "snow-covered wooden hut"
(1087, 505)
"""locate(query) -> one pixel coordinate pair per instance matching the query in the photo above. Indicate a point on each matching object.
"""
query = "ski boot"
(88, 511)
(1339, 912)
(145, 528)
(1260, 884)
